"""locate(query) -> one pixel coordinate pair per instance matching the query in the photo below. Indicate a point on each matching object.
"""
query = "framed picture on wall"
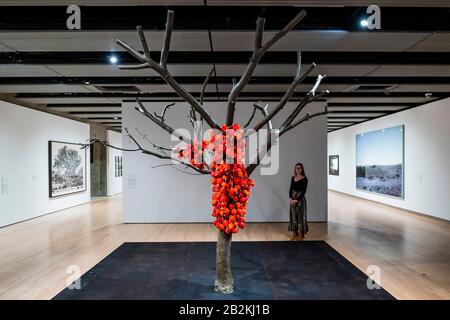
(380, 161)
(333, 165)
(67, 168)
(118, 166)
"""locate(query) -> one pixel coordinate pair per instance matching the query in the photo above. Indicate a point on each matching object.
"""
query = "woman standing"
(297, 217)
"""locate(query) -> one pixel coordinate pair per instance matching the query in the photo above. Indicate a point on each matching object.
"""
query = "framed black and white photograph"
(118, 166)
(333, 165)
(67, 168)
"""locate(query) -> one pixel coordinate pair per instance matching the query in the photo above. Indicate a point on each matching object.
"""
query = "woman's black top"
(299, 186)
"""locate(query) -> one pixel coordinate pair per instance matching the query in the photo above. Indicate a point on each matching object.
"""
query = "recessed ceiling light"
(113, 59)
(87, 82)
(115, 118)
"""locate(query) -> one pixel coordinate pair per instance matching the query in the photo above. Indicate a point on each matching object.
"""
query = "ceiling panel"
(371, 108)
(97, 115)
(25, 70)
(45, 41)
(344, 119)
(108, 70)
(422, 88)
(106, 121)
(91, 108)
(356, 114)
(411, 71)
(68, 99)
(339, 124)
(278, 70)
(377, 99)
(282, 88)
(43, 88)
(323, 40)
(167, 88)
(437, 42)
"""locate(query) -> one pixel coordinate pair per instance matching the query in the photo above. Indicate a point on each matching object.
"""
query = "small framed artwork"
(66, 169)
(333, 165)
(118, 166)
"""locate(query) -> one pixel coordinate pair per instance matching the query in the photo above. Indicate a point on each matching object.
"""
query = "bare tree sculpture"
(224, 279)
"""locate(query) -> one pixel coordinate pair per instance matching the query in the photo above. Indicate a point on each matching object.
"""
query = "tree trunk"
(224, 278)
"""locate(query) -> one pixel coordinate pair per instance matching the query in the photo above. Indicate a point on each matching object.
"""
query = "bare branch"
(299, 64)
(285, 30)
(256, 57)
(167, 37)
(143, 42)
(259, 32)
(306, 117)
(263, 110)
(286, 97)
(251, 117)
(205, 83)
(182, 171)
(160, 148)
(192, 117)
(163, 156)
(134, 67)
(161, 69)
(306, 99)
(191, 173)
(104, 143)
(316, 85)
(140, 107)
(132, 51)
(250, 168)
(163, 114)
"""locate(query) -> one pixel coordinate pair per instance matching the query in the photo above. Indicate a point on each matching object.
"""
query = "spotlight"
(364, 23)
(113, 59)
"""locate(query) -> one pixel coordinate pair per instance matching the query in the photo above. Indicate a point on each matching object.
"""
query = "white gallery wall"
(163, 194)
(426, 158)
(24, 162)
(114, 184)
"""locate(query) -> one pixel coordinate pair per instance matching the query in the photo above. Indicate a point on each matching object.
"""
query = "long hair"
(303, 168)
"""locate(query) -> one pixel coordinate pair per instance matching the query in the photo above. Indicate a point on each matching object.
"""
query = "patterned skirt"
(298, 219)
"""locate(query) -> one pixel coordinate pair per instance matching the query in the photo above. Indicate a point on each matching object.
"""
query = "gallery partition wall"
(400, 159)
(44, 169)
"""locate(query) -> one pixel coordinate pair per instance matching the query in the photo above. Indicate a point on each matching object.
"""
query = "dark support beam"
(221, 18)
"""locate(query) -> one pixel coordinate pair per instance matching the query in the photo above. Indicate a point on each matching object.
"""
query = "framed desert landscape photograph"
(379, 161)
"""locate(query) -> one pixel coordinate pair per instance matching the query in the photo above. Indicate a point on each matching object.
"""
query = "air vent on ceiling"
(118, 88)
(374, 88)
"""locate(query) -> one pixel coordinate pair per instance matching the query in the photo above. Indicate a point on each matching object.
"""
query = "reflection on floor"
(39, 256)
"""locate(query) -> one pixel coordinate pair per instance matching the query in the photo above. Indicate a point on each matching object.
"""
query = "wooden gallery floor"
(412, 251)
